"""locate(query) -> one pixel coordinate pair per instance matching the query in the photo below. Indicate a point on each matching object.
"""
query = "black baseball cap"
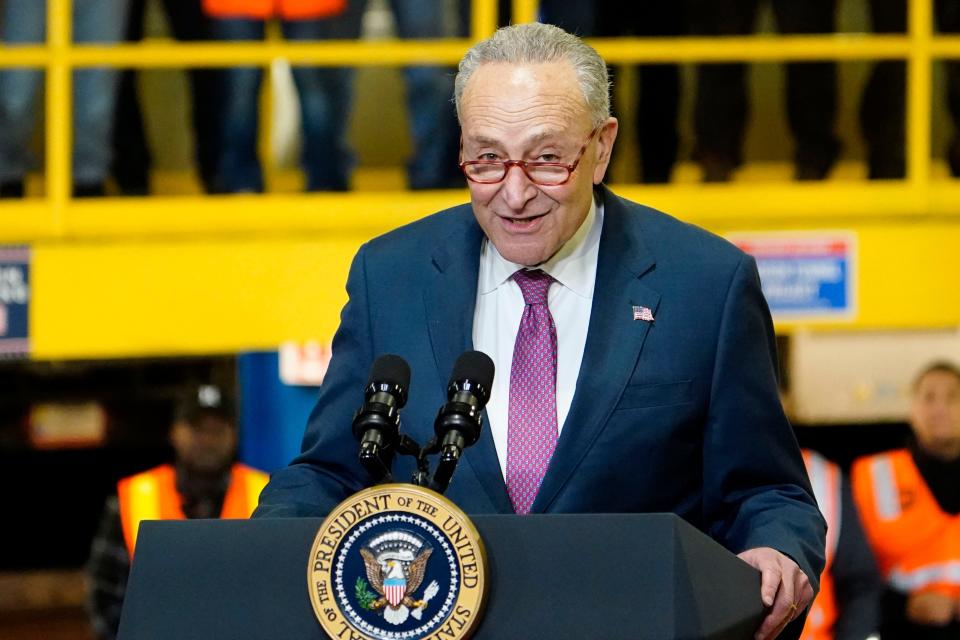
(203, 400)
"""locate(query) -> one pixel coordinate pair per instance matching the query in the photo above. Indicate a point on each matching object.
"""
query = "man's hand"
(932, 609)
(784, 588)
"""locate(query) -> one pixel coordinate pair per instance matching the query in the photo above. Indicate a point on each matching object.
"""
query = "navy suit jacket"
(677, 415)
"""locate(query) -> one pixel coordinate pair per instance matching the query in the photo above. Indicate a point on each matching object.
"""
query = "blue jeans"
(94, 89)
(325, 100)
(325, 94)
(433, 118)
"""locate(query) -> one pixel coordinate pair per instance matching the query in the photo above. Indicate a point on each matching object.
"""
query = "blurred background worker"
(132, 156)
(94, 95)
(657, 90)
(910, 501)
(848, 605)
(324, 93)
(883, 105)
(203, 482)
(722, 108)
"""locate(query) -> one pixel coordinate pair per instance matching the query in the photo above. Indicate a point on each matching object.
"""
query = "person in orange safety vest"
(203, 482)
(848, 604)
(326, 94)
(910, 502)
(266, 9)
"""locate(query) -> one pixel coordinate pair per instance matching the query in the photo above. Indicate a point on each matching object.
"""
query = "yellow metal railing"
(58, 216)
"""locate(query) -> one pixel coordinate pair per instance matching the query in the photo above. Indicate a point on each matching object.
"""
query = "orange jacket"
(825, 479)
(152, 495)
(917, 544)
(264, 9)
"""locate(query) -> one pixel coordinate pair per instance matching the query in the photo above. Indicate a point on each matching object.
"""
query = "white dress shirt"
(500, 305)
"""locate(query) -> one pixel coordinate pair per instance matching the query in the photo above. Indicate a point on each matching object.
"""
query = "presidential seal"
(397, 562)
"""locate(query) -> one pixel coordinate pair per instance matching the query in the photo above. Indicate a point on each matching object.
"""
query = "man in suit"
(635, 353)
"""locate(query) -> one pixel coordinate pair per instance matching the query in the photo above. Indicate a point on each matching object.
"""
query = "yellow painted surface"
(209, 295)
(910, 276)
(524, 11)
(363, 214)
(214, 293)
(159, 53)
(919, 79)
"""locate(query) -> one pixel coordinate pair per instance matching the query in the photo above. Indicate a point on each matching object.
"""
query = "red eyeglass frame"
(523, 164)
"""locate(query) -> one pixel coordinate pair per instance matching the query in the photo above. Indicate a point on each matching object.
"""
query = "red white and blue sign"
(805, 276)
(14, 300)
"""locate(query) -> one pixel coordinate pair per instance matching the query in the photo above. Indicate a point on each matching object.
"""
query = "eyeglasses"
(547, 174)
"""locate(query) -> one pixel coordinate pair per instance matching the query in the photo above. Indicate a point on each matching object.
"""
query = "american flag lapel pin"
(642, 313)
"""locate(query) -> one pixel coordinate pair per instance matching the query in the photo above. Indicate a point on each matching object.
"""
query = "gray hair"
(537, 43)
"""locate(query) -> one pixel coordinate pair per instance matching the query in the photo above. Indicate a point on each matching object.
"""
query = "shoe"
(810, 172)
(134, 191)
(716, 170)
(814, 162)
(12, 189)
(886, 168)
(953, 157)
(93, 190)
(655, 177)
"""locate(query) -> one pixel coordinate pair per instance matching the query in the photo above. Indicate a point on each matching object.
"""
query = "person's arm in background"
(857, 582)
(107, 572)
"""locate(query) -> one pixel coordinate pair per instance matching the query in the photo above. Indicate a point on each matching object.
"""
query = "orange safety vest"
(825, 480)
(916, 543)
(264, 9)
(152, 495)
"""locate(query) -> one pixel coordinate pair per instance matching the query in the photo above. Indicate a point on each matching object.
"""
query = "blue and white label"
(14, 300)
(808, 276)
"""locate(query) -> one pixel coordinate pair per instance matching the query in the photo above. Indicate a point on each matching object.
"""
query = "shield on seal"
(395, 586)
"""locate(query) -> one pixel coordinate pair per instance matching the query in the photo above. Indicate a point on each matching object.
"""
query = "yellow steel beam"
(131, 218)
(483, 21)
(525, 11)
(850, 46)
(369, 213)
(945, 46)
(167, 54)
(351, 53)
(919, 81)
(169, 297)
(23, 56)
(217, 294)
(26, 221)
(58, 110)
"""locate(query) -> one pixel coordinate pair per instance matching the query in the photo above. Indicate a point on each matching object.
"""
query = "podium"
(577, 576)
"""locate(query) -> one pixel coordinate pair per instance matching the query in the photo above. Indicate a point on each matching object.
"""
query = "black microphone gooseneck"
(377, 423)
(459, 421)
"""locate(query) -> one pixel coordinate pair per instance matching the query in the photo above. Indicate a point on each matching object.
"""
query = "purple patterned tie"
(532, 417)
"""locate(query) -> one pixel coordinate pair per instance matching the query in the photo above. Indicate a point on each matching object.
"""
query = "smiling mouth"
(521, 223)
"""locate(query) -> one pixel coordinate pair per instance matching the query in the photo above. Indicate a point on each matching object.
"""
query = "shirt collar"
(574, 266)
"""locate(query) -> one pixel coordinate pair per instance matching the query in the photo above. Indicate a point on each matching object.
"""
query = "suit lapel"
(450, 300)
(614, 341)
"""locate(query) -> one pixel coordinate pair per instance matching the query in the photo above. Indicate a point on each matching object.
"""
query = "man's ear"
(605, 139)
(178, 431)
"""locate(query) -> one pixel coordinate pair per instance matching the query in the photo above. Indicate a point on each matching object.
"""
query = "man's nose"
(517, 188)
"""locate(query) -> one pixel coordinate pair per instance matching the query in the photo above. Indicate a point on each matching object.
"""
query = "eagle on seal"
(394, 584)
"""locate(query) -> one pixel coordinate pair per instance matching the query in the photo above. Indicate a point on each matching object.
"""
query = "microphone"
(459, 421)
(377, 423)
